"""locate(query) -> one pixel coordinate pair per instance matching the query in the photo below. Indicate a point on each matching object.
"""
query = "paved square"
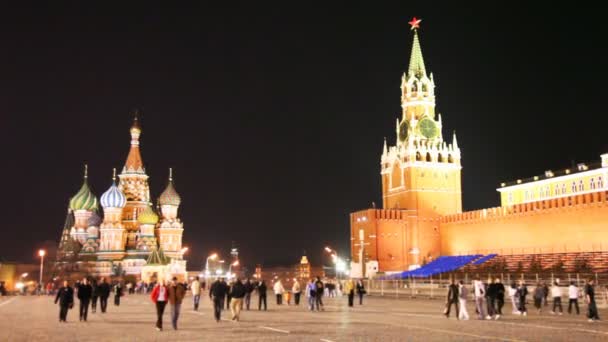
(379, 319)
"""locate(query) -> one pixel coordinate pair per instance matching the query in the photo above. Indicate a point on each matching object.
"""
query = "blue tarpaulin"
(440, 265)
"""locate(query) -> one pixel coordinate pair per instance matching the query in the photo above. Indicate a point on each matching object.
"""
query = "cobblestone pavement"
(379, 319)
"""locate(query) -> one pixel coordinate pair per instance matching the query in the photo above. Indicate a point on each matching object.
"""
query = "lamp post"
(210, 257)
(41, 254)
(334, 257)
(236, 263)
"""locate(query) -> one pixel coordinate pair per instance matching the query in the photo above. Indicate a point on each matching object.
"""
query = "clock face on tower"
(403, 128)
(428, 128)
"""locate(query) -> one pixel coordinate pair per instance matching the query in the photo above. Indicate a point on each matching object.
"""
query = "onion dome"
(84, 198)
(94, 220)
(170, 196)
(113, 197)
(148, 216)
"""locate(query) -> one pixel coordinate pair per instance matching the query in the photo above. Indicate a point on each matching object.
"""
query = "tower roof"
(84, 198)
(157, 257)
(134, 163)
(148, 216)
(113, 197)
(170, 196)
(416, 60)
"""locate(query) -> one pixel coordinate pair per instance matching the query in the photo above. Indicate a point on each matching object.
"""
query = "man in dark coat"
(104, 292)
(491, 294)
(500, 296)
(217, 292)
(65, 296)
(117, 293)
(248, 290)
(237, 292)
(453, 295)
(84, 296)
(262, 295)
(94, 295)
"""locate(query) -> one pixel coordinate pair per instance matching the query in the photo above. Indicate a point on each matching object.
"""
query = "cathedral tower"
(112, 231)
(83, 205)
(134, 184)
(170, 229)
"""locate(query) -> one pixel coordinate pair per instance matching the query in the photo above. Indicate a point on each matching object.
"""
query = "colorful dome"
(94, 220)
(84, 199)
(170, 196)
(148, 216)
(113, 197)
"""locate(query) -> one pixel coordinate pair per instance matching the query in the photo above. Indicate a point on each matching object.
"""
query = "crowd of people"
(489, 298)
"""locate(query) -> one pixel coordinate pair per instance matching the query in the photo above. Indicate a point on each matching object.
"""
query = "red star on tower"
(415, 23)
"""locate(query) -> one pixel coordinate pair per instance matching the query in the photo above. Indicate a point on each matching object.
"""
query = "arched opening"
(440, 158)
(450, 158)
(429, 158)
(418, 156)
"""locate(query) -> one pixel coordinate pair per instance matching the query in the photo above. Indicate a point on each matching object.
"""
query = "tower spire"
(113, 174)
(170, 174)
(385, 148)
(416, 61)
(86, 172)
(454, 141)
(134, 163)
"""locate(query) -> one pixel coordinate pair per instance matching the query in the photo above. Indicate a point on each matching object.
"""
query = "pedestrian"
(228, 295)
(84, 296)
(539, 295)
(500, 296)
(492, 294)
(159, 296)
(278, 291)
(261, 294)
(360, 291)
(462, 301)
(319, 294)
(480, 293)
(195, 287)
(592, 313)
(104, 293)
(522, 292)
(513, 296)
(296, 290)
(573, 294)
(176, 294)
(546, 289)
(452, 299)
(94, 295)
(65, 297)
(311, 294)
(349, 288)
(217, 292)
(237, 292)
(556, 293)
(117, 293)
(248, 290)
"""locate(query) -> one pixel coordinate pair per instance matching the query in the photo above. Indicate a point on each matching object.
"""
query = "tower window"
(557, 189)
(600, 184)
(428, 157)
(573, 187)
(440, 158)
(450, 158)
(547, 191)
(563, 188)
(592, 184)
(581, 186)
(418, 156)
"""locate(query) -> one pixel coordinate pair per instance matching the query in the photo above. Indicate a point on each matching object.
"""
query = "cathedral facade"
(422, 218)
(122, 233)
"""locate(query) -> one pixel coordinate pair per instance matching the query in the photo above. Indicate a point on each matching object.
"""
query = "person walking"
(65, 297)
(452, 299)
(228, 295)
(248, 290)
(480, 293)
(539, 295)
(297, 291)
(573, 294)
(262, 295)
(513, 296)
(237, 293)
(522, 292)
(319, 287)
(360, 291)
(311, 294)
(278, 291)
(159, 296)
(592, 313)
(94, 295)
(104, 293)
(500, 296)
(176, 293)
(117, 293)
(84, 296)
(217, 292)
(195, 287)
(349, 289)
(463, 293)
(556, 293)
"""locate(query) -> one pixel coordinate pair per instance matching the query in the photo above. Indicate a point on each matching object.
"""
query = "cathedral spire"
(384, 149)
(134, 162)
(416, 61)
(454, 141)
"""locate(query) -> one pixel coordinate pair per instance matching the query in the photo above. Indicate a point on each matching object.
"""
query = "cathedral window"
(557, 189)
(450, 158)
(581, 186)
(592, 184)
(573, 187)
(418, 156)
(428, 157)
(563, 188)
(600, 184)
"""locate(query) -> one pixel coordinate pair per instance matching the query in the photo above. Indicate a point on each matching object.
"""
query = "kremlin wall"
(559, 217)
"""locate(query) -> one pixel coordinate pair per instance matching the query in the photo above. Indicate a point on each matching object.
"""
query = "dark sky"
(273, 115)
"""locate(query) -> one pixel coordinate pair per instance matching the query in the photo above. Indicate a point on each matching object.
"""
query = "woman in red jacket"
(160, 296)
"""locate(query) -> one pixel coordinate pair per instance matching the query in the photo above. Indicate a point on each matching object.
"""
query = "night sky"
(273, 115)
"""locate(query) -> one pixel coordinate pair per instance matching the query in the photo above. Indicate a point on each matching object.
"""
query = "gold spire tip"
(86, 171)
(113, 174)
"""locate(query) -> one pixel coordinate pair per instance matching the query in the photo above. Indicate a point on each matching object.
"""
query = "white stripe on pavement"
(326, 340)
(274, 329)
(8, 301)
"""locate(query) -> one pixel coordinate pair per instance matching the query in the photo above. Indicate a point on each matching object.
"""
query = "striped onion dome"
(94, 220)
(84, 198)
(113, 197)
(148, 216)
(170, 196)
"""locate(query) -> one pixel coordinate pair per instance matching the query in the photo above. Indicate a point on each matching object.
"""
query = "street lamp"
(335, 258)
(183, 251)
(210, 257)
(236, 263)
(41, 254)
